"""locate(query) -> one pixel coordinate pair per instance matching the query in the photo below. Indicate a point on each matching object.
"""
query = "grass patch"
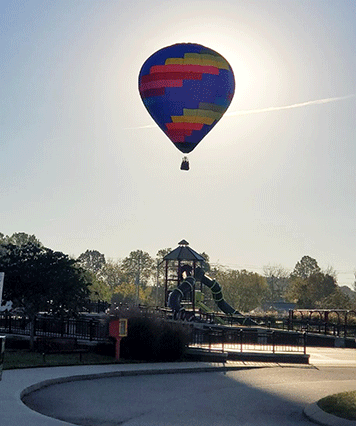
(23, 358)
(341, 404)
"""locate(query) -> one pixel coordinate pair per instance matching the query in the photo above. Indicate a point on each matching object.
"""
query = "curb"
(185, 370)
(207, 355)
(317, 415)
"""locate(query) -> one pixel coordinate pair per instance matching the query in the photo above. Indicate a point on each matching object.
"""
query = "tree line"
(139, 278)
(40, 279)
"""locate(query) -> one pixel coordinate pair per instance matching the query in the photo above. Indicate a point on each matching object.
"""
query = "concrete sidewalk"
(17, 383)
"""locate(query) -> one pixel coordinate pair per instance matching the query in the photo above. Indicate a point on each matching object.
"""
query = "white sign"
(2, 275)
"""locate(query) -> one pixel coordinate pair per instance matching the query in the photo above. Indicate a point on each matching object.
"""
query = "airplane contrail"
(269, 109)
(149, 126)
(299, 105)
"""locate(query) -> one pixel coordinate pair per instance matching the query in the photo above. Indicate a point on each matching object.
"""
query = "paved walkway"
(274, 388)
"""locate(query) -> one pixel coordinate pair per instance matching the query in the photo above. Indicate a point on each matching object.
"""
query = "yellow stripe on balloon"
(174, 61)
(206, 59)
(199, 59)
(192, 119)
(202, 113)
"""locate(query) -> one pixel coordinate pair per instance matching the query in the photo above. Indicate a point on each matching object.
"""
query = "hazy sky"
(83, 166)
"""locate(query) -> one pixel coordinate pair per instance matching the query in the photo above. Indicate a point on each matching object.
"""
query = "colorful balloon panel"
(186, 88)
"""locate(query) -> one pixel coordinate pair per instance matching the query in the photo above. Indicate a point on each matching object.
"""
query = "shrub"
(14, 342)
(105, 349)
(151, 338)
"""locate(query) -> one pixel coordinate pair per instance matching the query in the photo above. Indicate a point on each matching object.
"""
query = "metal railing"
(204, 336)
(85, 329)
(248, 340)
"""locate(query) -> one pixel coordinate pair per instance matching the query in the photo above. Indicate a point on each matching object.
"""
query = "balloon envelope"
(186, 88)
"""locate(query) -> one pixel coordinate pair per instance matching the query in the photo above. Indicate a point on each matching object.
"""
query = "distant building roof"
(278, 306)
(183, 252)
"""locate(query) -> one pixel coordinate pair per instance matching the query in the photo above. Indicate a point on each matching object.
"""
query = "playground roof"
(183, 252)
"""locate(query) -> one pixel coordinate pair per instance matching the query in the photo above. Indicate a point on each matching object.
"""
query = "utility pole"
(272, 290)
(157, 281)
(138, 279)
(2, 275)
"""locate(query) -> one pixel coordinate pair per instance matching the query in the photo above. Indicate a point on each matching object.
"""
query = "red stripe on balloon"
(171, 76)
(184, 132)
(184, 126)
(152, 92)
(178, 135)
(204, 69)
(161, 83)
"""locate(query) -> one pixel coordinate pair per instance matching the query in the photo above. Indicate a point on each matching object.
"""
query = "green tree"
(138, 268)
(112, 274)
(277, 279)
(94, 263)
(321, 285)
(125, 293)
(311, 291)
(122, 288)
(161, 253)
(109, 280)
(160, 275)
(39, 279)
(92, 260)
(305, 267)
(160, 264)
(336, 300)
(99, 290)
(242, 289)
(19, 239)
(298, 293)
(309, 287)
(206, 265)
(124, 282)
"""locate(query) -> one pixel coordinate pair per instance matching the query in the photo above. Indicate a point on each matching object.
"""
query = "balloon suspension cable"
(185, 164)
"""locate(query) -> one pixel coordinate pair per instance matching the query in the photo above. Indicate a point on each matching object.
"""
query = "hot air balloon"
(186, 89)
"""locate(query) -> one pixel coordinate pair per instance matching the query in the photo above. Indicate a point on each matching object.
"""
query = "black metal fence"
(210, 337)
(81, 328)
(251, 340)
(327, 329)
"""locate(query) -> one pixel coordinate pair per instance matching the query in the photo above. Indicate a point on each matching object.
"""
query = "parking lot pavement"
(330, 357)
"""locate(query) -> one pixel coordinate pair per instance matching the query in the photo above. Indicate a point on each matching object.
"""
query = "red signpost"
(118, 329)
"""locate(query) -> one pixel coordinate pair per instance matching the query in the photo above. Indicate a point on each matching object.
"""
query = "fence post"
(290, 320)
(91, 333)
(273, 341)
(9, 318)
(305, 342)
(241, 339)
(62, 327)
(193, 336)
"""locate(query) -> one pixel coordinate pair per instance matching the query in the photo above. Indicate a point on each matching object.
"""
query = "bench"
(59, 345)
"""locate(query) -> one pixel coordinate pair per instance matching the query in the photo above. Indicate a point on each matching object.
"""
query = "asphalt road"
(275, 395)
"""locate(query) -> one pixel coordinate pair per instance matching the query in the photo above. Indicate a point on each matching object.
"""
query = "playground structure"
(182, 256)
(189, 270)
